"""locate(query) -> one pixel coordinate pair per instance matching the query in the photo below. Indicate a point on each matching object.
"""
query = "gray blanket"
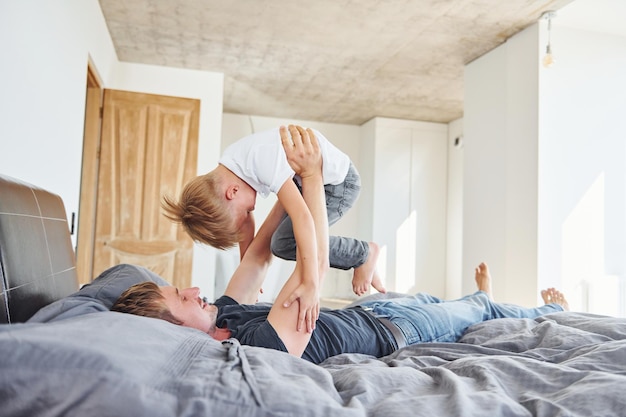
(110, 364)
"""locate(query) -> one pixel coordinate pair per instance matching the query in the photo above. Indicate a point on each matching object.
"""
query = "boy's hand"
(309, 312)
(302, 149)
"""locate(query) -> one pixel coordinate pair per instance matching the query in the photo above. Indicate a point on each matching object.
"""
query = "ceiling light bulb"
(548, 59)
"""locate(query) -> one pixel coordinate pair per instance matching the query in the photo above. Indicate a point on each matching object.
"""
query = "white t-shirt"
(259, 159)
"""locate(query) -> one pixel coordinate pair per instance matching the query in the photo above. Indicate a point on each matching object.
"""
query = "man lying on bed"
(375, 327)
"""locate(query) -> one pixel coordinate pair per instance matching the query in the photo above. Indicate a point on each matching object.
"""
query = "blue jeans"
(423, 318)
(344, 252)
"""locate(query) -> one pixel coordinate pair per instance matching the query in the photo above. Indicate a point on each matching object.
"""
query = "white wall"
(582, 165)
(544, 190)
(406, 162)
(454, 222)
(45, 48)
(500, 168)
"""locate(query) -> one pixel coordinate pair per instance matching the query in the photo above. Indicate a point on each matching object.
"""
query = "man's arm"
(246, 282)
(246, 235)
(285, 315)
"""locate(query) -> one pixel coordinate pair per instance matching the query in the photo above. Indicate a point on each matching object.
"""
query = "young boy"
(216, 208)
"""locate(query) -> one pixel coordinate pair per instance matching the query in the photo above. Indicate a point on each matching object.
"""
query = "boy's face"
(244, 206)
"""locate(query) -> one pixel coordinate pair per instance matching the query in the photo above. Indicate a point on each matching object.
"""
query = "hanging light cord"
(549, 32)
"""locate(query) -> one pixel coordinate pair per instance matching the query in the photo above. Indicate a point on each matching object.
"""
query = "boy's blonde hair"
(145, 299)
(202, 212)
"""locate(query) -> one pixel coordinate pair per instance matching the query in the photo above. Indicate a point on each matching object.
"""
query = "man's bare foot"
(483, 279)
(554, 296)
(366, 274)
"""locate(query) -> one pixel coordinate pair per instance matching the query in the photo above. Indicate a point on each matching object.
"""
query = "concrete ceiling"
(337, 61)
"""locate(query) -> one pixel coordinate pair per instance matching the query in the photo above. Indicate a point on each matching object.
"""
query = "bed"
(63, 353)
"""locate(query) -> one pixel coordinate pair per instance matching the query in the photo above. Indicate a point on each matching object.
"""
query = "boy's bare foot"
(366, 274)
(554, 296)
(483, 279)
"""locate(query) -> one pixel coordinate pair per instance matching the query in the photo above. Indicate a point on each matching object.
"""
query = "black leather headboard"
(37, 262)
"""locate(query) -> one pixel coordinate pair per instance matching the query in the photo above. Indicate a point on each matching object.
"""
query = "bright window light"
(582, 242)
(406, 238)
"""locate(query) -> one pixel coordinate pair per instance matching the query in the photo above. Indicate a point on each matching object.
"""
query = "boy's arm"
(285, 315)
(245, 284)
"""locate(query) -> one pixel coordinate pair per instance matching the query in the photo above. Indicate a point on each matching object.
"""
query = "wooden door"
(149, 148)
(89, 177)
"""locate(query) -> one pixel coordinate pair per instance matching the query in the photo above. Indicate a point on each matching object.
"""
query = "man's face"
(187, 306)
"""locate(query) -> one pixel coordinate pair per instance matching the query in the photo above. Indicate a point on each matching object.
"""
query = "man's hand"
(302, 149)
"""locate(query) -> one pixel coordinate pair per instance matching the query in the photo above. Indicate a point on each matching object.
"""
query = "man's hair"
(203, 213)
(145, 299)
